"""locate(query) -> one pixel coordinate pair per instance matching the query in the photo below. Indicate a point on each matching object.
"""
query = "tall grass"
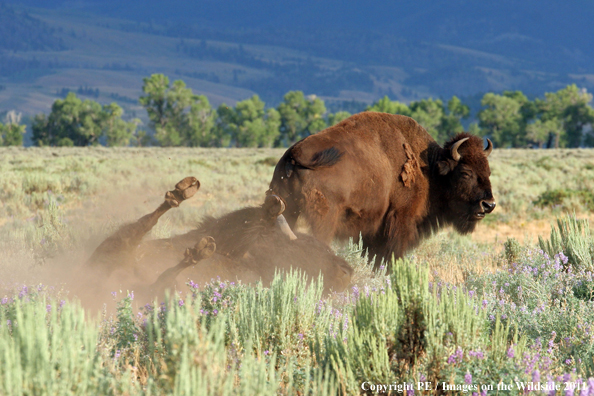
(455, 312)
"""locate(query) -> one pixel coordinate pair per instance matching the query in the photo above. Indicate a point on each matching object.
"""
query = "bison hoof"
(183, 190)
(274, 205)
(202, 250)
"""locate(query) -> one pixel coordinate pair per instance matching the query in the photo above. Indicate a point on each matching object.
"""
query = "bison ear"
(446, 166)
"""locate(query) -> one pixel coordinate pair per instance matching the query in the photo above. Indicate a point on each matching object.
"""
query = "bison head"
(466, 189)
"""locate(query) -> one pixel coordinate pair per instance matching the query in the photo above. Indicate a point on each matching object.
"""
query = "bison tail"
(327, 157)
(288, 164)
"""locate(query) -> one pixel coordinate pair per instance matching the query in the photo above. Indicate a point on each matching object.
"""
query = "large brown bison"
(383, 177)
(248, 245)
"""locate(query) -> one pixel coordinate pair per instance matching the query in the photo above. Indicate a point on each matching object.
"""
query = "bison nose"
(488, 206)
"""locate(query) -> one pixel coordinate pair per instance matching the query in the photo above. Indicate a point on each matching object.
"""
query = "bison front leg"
(121, 246)
(204, 249)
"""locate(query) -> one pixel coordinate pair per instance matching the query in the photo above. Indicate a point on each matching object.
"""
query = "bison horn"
(489, 148)
(455, 155)
(281, 222)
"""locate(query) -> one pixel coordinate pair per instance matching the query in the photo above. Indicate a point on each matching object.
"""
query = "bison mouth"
(479, 215)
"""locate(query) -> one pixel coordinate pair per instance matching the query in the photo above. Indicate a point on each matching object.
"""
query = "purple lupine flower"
(355, 290)
(266, 352)
(459, 354)
(591, 386)
(5, 300)
(300, 335)
(215, 311)
(320, 306)
(180, 303)
(569, 391)
(117, 354)
(48, 308)
(563, 258)
(551, 386)
(535, 376)
(62, 302)
(510, 352)
(471, 293)
(468, 378)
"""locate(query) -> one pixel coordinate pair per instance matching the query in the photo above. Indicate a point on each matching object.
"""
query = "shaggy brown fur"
(387, 180)
(247, 245)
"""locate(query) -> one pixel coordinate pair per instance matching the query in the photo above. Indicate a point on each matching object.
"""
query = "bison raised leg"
(120, 247)
(204, 249)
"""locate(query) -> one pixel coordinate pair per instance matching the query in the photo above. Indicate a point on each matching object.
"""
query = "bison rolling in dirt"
(383, 176)
(248, 245)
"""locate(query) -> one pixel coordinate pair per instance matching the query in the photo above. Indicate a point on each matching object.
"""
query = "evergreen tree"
(73, 122)
(300, 117)
(502, 120)
(11, 133)
(177, 115)
(249, 124)
(385, 105)
(335, 118)
(570, 106)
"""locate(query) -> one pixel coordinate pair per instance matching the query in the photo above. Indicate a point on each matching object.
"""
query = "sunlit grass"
(455, 299)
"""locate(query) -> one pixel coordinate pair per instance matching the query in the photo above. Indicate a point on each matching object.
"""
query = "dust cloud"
(140, 268)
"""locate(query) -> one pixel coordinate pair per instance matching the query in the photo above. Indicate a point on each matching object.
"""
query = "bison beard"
(249, 245)
(383, 177)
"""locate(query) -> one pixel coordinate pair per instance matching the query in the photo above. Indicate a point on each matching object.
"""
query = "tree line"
(178, 117)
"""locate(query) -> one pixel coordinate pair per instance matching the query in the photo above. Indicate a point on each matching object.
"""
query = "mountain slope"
(342, 51)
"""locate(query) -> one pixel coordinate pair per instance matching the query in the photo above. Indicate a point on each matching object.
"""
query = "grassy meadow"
(508, 305)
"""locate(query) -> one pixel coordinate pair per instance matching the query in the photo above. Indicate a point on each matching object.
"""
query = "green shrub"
(571, 237)
(558, 197)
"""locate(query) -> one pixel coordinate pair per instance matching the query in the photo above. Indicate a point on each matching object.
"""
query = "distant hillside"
(343, 51)
(21, 32)
(529, 30)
